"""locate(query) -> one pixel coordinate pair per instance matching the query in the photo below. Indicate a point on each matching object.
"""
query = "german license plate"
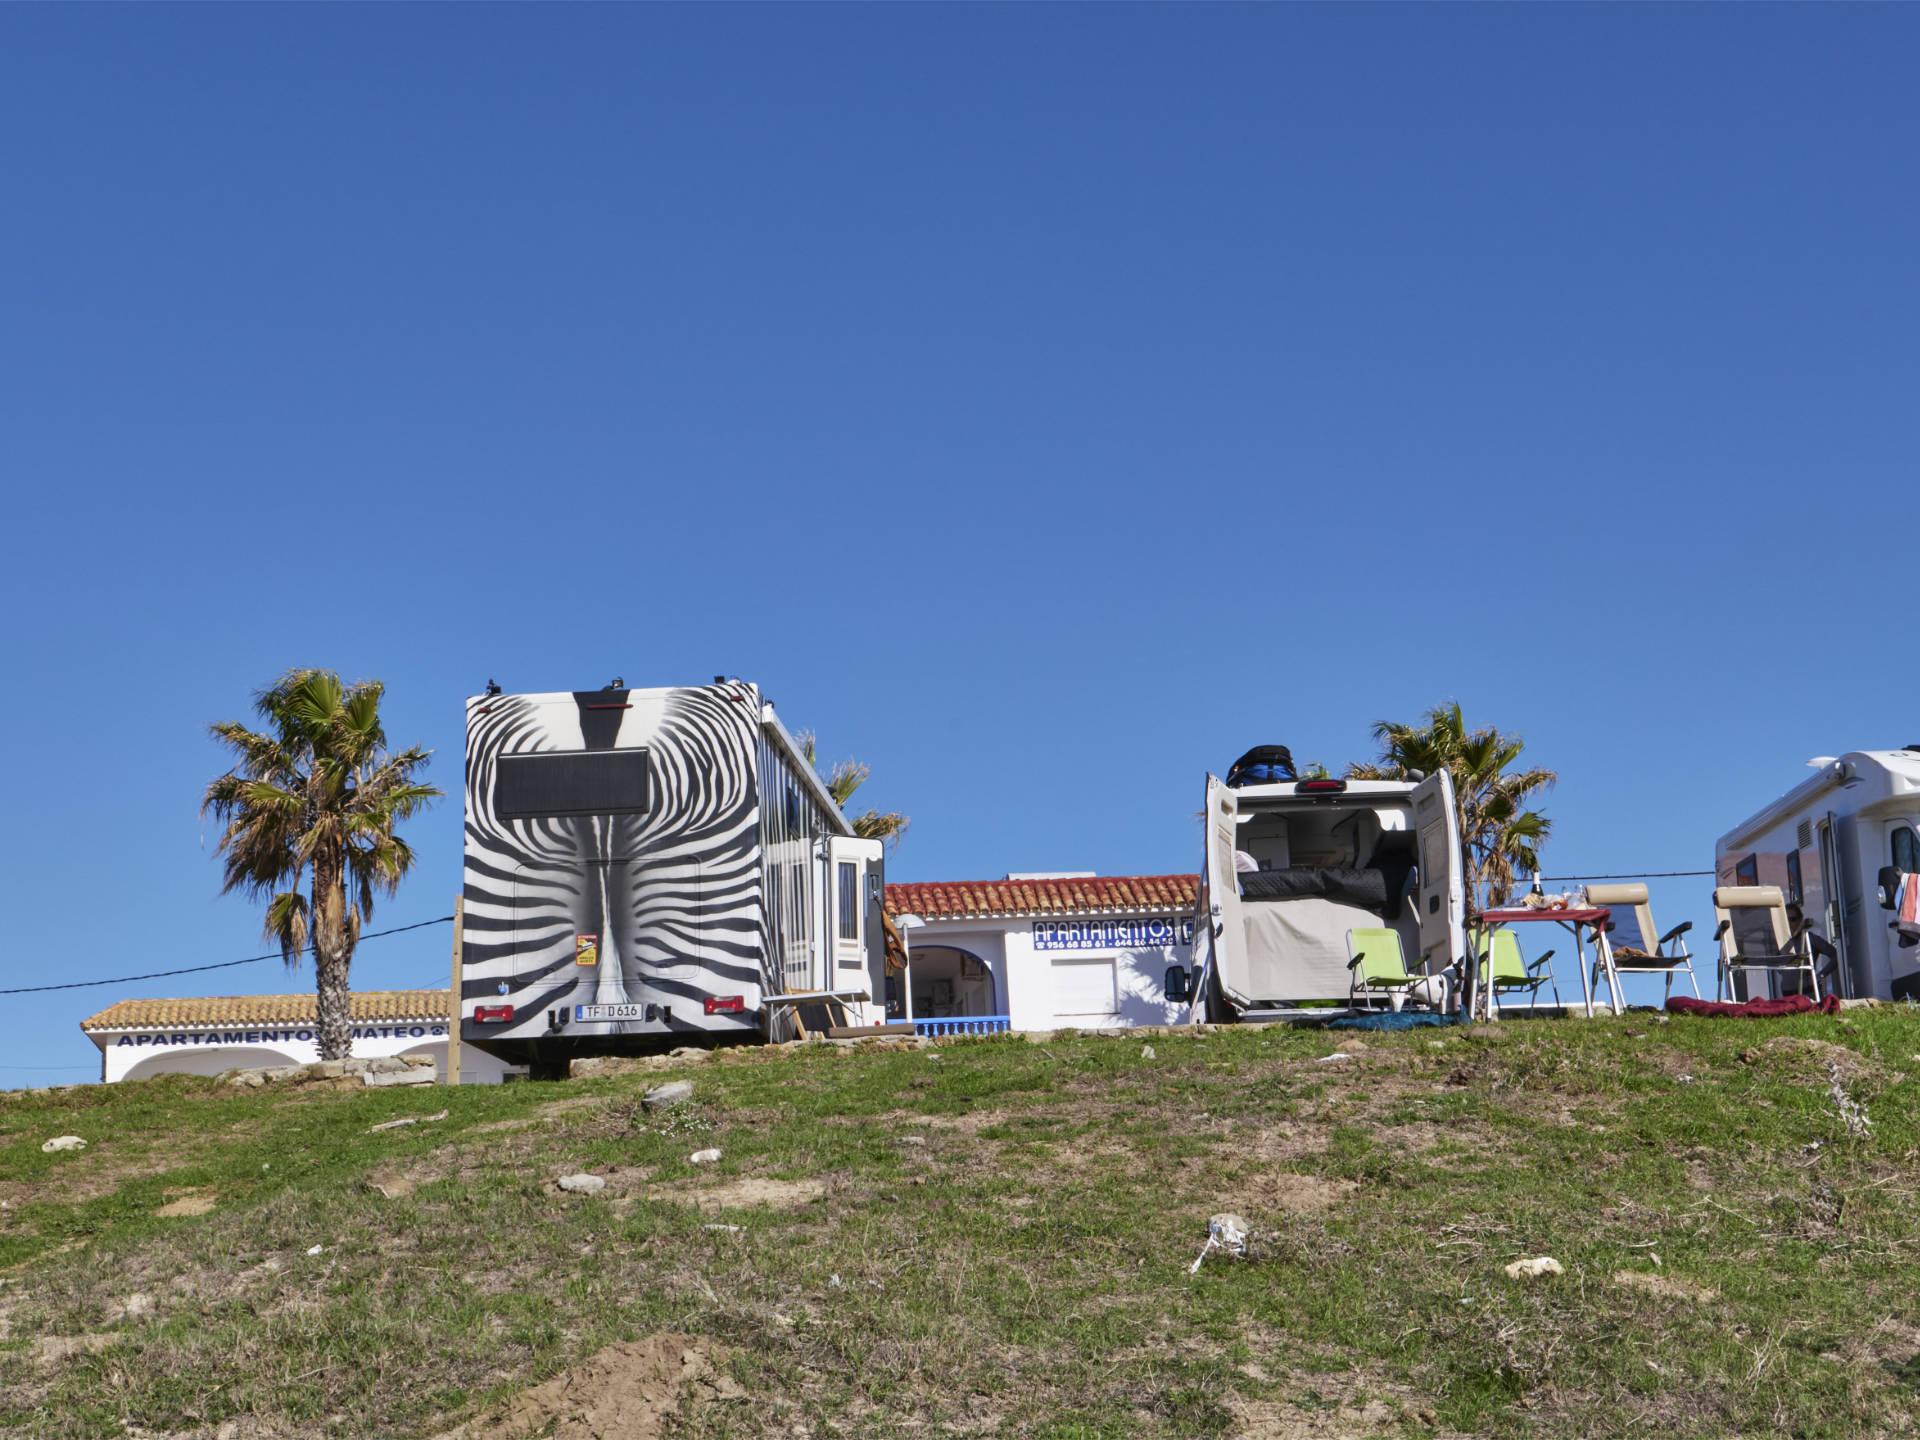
(608, 1012)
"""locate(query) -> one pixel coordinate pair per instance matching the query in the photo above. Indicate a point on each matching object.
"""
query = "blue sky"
(1043, 404)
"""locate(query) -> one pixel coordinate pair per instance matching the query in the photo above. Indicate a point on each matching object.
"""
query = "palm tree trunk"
(330, 959)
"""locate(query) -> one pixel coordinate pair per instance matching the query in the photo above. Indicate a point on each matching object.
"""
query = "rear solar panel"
(573, 782)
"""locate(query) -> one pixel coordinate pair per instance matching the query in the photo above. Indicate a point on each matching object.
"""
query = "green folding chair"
(1378, 966)
(1507, 969)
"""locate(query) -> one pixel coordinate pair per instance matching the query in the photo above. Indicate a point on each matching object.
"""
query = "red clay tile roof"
(362, 1005)
(1102, 895)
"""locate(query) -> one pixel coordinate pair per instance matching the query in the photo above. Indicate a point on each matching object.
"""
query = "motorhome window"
(793, 812)
(1747, 872)
(550, 784)
(1906, 852)
(849, 901)
(1793, 877)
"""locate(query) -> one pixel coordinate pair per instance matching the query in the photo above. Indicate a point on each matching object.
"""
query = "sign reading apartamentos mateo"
(423, 1031)
(1153, 934)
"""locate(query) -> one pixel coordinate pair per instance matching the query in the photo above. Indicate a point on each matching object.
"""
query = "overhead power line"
(1649, 875)
(195, 969)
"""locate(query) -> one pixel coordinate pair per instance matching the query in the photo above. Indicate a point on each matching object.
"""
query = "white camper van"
(1294, 866)
(1836, 845)
(643, 864)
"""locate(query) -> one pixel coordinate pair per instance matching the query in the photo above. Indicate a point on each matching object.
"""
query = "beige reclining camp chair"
(1630, 936)
(1754, 935)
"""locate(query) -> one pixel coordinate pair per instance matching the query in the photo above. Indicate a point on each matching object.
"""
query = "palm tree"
(316, 793)
(1498, 834)
(845, 778)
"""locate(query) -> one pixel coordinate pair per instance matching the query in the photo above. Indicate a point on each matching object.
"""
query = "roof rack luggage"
(1262, 765)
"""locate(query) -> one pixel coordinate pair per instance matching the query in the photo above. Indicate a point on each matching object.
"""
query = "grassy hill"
(994, 1237)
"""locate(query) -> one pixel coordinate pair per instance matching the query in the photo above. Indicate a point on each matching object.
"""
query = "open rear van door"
(1442, 893)
(1226, 944)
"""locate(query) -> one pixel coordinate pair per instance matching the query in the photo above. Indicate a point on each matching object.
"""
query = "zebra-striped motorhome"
(642, 863)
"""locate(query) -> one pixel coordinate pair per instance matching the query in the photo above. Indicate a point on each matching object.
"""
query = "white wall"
(1025, 978)
(135, 1054)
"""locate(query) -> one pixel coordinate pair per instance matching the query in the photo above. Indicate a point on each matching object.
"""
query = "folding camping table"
(1595, 918)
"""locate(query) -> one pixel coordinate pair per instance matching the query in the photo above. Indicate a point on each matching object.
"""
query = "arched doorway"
(200, 1060)
(950, 983)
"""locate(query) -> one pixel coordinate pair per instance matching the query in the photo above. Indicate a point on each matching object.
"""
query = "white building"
(1042, 952)
(205, 1035)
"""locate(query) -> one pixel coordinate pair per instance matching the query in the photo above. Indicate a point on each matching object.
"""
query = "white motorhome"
(1293, 866)
(648, 864)
(1836, 845)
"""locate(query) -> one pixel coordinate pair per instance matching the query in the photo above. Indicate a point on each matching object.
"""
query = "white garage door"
(1084, 987)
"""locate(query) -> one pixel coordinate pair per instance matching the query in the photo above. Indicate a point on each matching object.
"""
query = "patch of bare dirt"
(745, 1193)
(1284, 1192)
(628, 1391)
(1287, 1143)
(52, 1349)
(1667, 1287)
(1284, 1420)
(191, 1202)
(971, 1124)
(1816, 1057)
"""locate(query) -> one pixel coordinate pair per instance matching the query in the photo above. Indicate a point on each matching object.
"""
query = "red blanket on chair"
(1786, 1005)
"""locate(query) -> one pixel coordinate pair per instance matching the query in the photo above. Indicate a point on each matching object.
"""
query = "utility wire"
(1649, 875)
(195, 969)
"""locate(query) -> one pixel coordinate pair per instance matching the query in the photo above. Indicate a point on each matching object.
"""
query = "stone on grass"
(1146, 1052)
(582, 1184)
(1536, 1268)
(664, 1097)
(703, 1157)
(63, 1142)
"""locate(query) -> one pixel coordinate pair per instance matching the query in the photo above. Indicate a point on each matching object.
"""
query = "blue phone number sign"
(1155, 934)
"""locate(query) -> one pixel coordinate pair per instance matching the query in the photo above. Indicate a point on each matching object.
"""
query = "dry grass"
(998, 1242)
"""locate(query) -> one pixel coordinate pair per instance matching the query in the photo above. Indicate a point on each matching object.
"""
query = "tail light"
(726, 1004)
(492, 1014)
(1319, 787)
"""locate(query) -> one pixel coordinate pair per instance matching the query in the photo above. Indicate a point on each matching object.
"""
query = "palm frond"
(874, 825)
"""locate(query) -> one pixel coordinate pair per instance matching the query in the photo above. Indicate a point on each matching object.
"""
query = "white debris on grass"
(1225, 1231)
(1146, 1052)
(1337, 1055)
(1535, 1268)
(63, 1142)
(315, 1249)
(1851, 1110)
(407, 1120)
(703, 1157)
(582, 1184)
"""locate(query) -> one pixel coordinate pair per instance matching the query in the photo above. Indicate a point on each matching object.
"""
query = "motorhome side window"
(1747, 872)
(1906, 851)
(550, 784)
(1793, 877)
